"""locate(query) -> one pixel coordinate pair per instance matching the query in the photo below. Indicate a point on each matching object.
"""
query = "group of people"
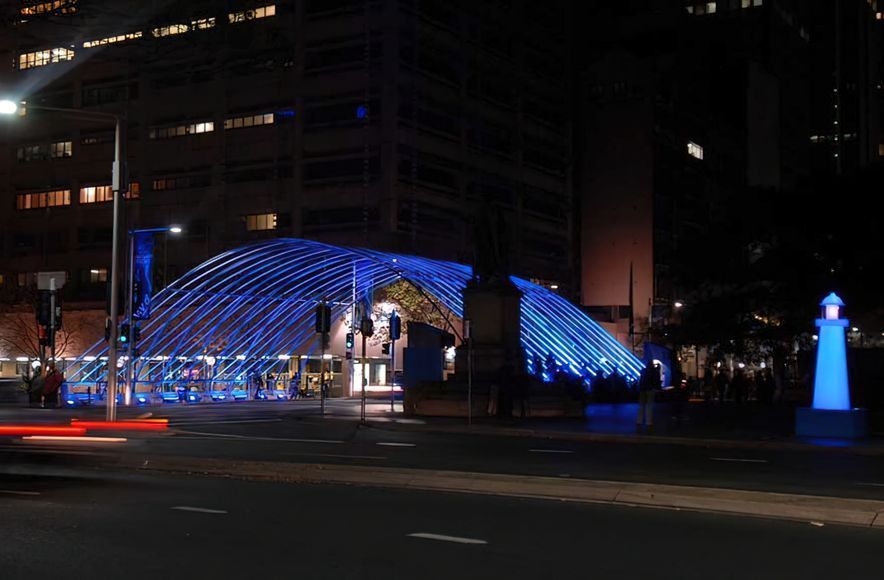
(743, 386)
(44, 388)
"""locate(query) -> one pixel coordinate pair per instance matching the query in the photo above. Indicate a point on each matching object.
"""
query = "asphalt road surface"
(291, 432)
(100, 526)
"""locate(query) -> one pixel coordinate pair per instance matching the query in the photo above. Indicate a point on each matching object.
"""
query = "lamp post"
(130, 306)
(119, 186)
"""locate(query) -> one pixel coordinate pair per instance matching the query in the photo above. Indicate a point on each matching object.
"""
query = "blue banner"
(143, 276)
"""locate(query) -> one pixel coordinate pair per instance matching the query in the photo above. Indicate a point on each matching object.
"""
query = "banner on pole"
(142, 276)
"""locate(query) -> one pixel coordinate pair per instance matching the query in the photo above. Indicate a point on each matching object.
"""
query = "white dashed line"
(186, 508)
(871, 484)
(550, 451)
(17, 492)
(738, 460)
(385, 444)
(442, 538)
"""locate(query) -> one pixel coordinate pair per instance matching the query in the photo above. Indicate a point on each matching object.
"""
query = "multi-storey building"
(683, 104)
(381, 123)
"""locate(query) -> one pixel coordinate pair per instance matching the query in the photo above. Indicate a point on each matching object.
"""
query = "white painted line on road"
(252, 438)
(550, 451)
(442, 538)
(337, 456)
(871, 484)
(187, 508)
(392, 444)
(739, 460)
(174, 423)
(18, 492)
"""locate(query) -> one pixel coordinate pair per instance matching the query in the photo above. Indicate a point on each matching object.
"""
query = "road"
(97, 526)
(293, 432)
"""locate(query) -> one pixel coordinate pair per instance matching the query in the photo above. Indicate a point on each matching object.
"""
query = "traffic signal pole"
(130, 306)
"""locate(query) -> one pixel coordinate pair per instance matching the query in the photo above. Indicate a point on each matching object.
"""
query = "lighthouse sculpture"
(831, 414)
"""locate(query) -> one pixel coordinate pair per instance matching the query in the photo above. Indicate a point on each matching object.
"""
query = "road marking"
(391, 444)
(550, 451)
(17, 492)
(871, 484)
(337, 456)
(187, 508)
(252, 438)
(442, 538)
(739, 460)
(234, 422)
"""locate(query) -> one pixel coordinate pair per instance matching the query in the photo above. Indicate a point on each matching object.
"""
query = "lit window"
(202, 24)
(695, 150)
(757, 2)
(711, 7)
(44, 57)
(881, 150)
(60, 150)
(260, 222)
(746, 4)
(61, 6)
(689, 8)
(249, 121)
(112, 39)
(170, 30)
(97, 275)
(181, 130)
(43, 199)
(96, 194)
(263, 12)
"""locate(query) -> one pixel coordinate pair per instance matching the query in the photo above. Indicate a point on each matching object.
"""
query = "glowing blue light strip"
(248, 305)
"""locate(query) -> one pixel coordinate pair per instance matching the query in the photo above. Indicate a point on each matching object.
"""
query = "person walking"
(52, 386)
(648, 384)
(35, 388)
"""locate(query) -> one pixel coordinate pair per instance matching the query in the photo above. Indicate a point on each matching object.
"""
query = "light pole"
(130, 306)
(119, 185)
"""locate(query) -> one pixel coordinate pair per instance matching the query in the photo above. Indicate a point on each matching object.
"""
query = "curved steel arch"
(251, 305)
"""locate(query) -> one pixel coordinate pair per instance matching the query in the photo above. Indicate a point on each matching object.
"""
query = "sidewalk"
(694, 424)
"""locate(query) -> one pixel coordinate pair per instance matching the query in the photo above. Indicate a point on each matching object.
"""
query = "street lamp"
(130, 302)
(119, 185)
(678, 304)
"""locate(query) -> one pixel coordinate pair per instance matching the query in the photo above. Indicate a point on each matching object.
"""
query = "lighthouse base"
(851, 424)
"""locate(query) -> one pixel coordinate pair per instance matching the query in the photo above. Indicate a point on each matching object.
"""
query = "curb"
(816, 509)
(872, 451)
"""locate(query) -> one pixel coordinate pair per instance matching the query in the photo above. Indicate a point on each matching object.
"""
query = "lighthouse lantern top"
(832, 307)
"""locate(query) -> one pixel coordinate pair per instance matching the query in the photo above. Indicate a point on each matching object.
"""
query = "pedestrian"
(259, 386)
(740, 385)
(52, 386)
(721, 385)
(35, 388)
(648, 384)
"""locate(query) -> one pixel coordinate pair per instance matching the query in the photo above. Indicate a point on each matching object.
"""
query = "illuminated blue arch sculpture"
(250, 306)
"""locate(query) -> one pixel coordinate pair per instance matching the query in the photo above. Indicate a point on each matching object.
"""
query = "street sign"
(44, 280)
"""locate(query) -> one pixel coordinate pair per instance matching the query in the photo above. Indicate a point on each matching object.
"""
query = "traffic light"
(395, 326)
(323, 318)
(136, 334)
(44, 308)
(366, 327)
(350, 341)
(385, 348)
(123, 338)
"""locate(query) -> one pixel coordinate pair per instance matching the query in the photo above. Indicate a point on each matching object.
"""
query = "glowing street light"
(119, 186)
(8, 107)
(678, 304)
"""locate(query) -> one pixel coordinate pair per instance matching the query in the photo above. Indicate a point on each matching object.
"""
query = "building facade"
(388, 124)
(684, 105)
